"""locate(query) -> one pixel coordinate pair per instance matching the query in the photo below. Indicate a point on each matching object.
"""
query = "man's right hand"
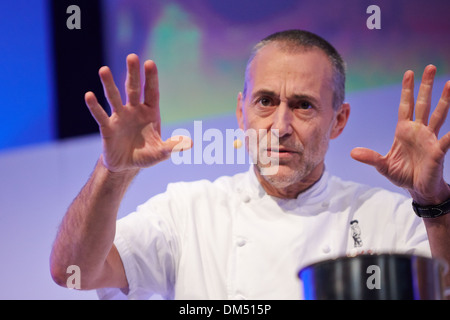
(132, 134)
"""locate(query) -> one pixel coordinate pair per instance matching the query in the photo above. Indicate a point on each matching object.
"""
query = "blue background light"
(27, 114)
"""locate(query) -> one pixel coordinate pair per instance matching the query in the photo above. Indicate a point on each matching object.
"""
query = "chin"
(281, 176)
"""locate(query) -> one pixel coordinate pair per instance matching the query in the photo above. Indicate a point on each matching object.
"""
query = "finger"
(96, 109)
(133, 81)
(110, 89)
(178, 143)
(406, 108)
(423, 102)
(151, 86)
(444, 142)
(439, 115)
(367, 156)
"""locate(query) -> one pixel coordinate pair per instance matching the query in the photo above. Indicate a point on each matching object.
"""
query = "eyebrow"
(270, 93)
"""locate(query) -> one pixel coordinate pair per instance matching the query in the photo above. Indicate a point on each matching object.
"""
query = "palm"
(132, 135)
(137, 145)
(414, 157)
(415, 161)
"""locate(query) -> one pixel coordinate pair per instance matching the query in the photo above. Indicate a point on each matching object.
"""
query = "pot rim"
(381, 255)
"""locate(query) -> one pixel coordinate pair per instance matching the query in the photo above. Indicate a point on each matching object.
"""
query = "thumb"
(367, 156)
(178, 143)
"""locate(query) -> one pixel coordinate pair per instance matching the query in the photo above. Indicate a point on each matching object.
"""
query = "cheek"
(322, 141)
(257, 122)
(315, 139)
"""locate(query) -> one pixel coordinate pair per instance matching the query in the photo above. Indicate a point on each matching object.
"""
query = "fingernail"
(433, 68)
(408, 76)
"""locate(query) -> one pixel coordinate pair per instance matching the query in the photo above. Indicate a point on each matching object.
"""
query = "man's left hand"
(416, 159)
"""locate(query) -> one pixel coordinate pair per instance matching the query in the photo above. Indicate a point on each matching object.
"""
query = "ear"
(340, 121)
(240, 111)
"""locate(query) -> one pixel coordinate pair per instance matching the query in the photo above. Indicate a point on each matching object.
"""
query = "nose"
(282, 120)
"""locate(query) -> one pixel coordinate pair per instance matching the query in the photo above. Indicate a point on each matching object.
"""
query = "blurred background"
(49, 143)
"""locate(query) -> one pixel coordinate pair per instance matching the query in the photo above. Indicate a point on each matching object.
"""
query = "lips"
(281, 152)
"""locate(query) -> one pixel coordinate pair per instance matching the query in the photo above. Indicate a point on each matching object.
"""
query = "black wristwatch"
(432, 211)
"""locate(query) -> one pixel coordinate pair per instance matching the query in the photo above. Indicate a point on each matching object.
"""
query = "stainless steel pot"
(375, 277)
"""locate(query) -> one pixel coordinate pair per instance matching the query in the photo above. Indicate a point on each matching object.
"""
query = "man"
(247, 236)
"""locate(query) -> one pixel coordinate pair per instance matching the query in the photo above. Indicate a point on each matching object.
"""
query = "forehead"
(298, 71)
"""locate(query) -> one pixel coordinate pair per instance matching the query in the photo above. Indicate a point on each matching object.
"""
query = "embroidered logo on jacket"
(356, 233)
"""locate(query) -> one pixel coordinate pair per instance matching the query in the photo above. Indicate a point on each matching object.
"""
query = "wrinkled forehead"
(299, 68)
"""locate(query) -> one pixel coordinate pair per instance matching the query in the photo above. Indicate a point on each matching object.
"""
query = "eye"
(304, 105)
(265, 101)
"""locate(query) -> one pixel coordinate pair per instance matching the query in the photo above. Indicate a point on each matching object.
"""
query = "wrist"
(130, 172)
(432, 211)
(441, 195)
(122, 175)
(433, 206)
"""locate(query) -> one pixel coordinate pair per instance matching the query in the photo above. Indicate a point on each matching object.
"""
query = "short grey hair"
(293, 40)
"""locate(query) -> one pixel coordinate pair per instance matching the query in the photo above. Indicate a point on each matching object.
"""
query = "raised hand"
(132, 134)
(416, 159)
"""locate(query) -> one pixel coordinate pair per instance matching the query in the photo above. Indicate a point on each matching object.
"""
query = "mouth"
(282, 152)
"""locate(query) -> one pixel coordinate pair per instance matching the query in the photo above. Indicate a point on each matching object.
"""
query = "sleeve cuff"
(130, 272)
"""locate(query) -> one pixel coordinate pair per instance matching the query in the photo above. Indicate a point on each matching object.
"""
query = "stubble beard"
(289, 173)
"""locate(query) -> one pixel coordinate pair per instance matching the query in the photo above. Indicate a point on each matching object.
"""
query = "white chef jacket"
(228, 239)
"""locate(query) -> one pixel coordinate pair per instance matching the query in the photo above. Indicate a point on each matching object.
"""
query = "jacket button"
(241, 242)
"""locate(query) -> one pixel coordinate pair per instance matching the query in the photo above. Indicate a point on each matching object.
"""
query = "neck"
(290, 191)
